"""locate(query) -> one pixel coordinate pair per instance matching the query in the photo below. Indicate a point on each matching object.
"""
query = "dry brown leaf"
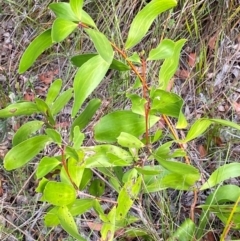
(212, 42)
(218, 141)
(202, 151)
(94, 226)
(182, 73)
(28, 96)
(236, 107)
(170, 84)
(62, 125)
(192, 59)
(47, 77)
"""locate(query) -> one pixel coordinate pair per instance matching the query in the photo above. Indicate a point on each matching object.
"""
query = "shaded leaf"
(46, 165)
(97, 187)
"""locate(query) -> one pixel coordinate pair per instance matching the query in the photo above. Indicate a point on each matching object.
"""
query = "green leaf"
(221, 174)
(108, 228)
(17, 109)
(126, 197)
(197, 129)
(85, 117)
(53, 91)
(148, 170)
(61, 28)
(35, 48)
(26, 130)
(134, 58)
(164, 50)
(22, 153)
(80, 206)
(226, 123)
(79, 60)
(51, 217)
(106, 156)
(41, 185)
(101, 44)
(130, 141)
(46, 165)
(92, 72)
(67, 222)
(170, 65)
(78, 138)
(97, 187)
(59, 194)
(76, 170)
(54, 135)
(185, 232)
(86, 178)
(143, 20)
(110, 126)
(76, 6)
(71, 152)
(138, 103)
(61, 101)
(64, 11)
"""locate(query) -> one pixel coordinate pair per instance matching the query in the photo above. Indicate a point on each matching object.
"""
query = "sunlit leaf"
(143, 20)
(22, 153)
(54, 135)
(35, 48)
(92, 72)
(130, 141)
(76, 6)
(53, 91)
(46, 165)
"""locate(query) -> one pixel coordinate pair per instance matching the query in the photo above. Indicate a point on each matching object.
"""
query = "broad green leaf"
(164, 50)
(185, 232)
(51, 217)
(41, 185)
(46, 165)
(97, 187)
(86, 178)
(35, 48)
(221, 174)
(226, 123)
(78, 138)
(54, 135)
(22, 153)
(61, 28)
(67, 222)
(110, 126)
(26, 130)
(59, 194)
(143, 20)
(79, 60)
(17, 109)
(53, 91)
(64, 11)
(76, 6)
(80, 206)
(126, 197)
(75, 170)
(101, 44)
(130, 141)
(44, 108)
(170, 65)
(85, 117)
(108, 228)
(88, 77)
(197, 129)
(138, 103)
(134, 58)
(61, 101)
(106, 156)
(71, 152)
(168, 104)
(148, 170)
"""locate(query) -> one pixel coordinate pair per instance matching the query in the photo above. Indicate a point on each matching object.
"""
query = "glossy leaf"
(26, 130)
(34, 49)
(17, 109)
(110, 126)
(101, 44)
(22, 153)
(221, 174)
(85, 117)
(106, 156)
(93, 71)
(97, 187)
(143, 20)
(170, 65)
(53, 91)
(76, 6)
(67, 222)
(54, 135)
(197, 129)
(59, 194)
(61, 28)
(164, 50)
(61, 101)
(185, 232)
(46, 165)
(130, 141)
(79, 60)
